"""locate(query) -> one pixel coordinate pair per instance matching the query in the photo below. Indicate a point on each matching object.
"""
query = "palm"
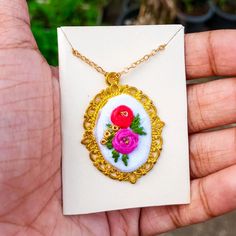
(31, 150)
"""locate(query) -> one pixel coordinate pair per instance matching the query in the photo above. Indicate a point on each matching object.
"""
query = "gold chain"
(126, 69)
(88, 61)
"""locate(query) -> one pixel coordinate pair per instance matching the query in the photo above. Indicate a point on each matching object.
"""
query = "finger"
(55, 72)
(212, 151)
(211, 53)
(211, 196)
(15, 25)
(211, 104)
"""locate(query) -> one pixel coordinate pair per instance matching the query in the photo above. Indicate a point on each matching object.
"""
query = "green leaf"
(136, 126)
(139, 130)
(109, 125)
(115, 155)
(125, 159)
(135, 122)
(109, 144)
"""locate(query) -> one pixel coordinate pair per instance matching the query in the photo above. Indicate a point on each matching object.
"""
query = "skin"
(30, 148)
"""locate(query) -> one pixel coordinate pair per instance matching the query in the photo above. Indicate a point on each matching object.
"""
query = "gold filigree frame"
(90, 142)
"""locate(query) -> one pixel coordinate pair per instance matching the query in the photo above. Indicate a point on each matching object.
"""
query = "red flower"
(122, 116)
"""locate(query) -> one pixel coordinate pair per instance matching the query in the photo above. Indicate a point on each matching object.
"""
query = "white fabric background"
(140, 155)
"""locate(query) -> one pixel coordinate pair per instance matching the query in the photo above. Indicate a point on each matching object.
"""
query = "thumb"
(15, 25)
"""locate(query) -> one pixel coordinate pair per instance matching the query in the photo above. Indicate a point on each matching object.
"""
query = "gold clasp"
(112, 78)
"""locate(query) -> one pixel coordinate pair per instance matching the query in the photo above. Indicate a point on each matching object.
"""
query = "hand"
(30, 148)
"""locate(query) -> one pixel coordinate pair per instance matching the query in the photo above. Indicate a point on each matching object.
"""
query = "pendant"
(122, 131)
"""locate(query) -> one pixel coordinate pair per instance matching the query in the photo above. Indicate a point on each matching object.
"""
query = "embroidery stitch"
(122, 137)
(89, 140)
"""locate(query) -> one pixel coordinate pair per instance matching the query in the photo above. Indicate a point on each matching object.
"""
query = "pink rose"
(125, 141)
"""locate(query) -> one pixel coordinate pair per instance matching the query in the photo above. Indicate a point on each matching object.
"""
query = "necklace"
(122, 130)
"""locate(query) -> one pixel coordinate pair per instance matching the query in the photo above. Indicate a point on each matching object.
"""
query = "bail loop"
(112, 78)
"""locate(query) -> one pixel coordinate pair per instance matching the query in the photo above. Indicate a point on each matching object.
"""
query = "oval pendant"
(122, 132)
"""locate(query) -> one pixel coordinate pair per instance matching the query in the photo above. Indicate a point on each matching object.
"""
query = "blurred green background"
(47, 15)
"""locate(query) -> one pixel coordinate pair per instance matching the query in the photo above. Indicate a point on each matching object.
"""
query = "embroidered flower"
(125, 141)
(122, 136)
(122, 116)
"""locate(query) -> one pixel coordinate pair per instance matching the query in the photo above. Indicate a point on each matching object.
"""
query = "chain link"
(99, 69)
(142, 59)
(88, 61)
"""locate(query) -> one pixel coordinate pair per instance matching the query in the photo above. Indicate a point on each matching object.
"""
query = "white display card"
(162, 78)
